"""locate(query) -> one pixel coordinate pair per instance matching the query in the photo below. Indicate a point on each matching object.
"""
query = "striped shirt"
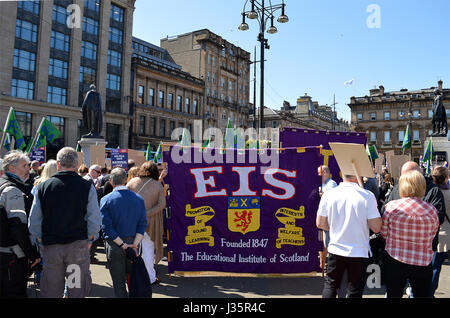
(409, 226)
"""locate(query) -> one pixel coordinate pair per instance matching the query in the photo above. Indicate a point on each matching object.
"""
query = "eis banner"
(299, 137)
(248, 216)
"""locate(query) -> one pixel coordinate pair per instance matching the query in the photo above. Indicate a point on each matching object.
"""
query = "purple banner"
(244, 217)
(298, 137)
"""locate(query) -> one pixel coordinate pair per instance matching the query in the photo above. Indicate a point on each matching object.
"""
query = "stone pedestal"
(89, 145)
(441, 149)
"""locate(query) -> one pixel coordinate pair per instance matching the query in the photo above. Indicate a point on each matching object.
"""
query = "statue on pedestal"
(439, 120)
(92, 113)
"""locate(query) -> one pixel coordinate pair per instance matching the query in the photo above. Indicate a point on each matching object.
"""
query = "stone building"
(165, 97)
(52, 51)
(225, 70)
(305, 114)
(384, 116)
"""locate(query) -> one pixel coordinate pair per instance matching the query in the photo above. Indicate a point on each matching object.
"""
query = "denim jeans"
(436, 263)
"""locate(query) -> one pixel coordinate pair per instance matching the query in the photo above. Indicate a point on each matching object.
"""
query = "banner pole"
(4, 129)
(35, 137)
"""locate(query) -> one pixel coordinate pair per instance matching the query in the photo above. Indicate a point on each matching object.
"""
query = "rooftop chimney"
(381, 90)
(440, 85)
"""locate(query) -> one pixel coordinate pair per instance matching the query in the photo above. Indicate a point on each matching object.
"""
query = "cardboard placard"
(389, 154)
(352, 159)
(97, 155)
(137, 156)
(396, 164)
(379, 163)
(80, 159)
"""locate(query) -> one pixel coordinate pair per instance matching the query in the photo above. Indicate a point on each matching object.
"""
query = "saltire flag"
(158, 154)
(12, 128)
(148, 153)
(372, 152)
(46, 132)
(7, 143)
(406, 140)
(428, 155)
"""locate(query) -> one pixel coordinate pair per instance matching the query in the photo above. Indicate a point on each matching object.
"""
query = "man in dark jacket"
(16, 249)
(65, 219)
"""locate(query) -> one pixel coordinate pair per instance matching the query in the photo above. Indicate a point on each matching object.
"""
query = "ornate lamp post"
(263, 14)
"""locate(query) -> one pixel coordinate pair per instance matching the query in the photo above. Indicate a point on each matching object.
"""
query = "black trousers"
(356, 268)
(397, 273)
(14, 274)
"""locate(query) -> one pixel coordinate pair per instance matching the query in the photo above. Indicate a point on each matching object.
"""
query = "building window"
(22, 89)
(387, 137)
(152, 126)
(113, 82)
(60, 41)
(141, 125)
(114, 58)
(59, 123)
(387, 115)
(93, 5)
(222, 82)
(57, 68)
(359, 116)
(140, 97)
(188, 105)
(115, 35)
(151, 97)
(171, 100)
(401, 115)
(430, 113)
(60, 14)
(172, 127)
(56, 95)
(25, 124)
(416, 114)
(113, 135)
(162, 128)
(373, 116)
(30, 6)
(416, 136)
(89, 50)
(116, 13)
(195, 107)
(26, 30)
(179, 103)
(230, 85)
(90, 26)
(24, 60)
(161, 98)
(214, 78)
(87, 75)
(373, 136)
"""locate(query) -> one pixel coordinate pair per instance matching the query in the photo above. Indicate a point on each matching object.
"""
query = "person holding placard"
(347, 212)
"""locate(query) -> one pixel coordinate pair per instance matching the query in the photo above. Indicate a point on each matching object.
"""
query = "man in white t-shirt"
(348, 212)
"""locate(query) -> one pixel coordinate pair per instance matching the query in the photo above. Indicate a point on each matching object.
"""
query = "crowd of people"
(403, 226)
(54, 215)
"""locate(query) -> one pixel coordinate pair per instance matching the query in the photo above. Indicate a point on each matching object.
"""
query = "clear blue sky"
(325, 44)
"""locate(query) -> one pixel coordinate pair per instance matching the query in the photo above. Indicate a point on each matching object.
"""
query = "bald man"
(433, 195)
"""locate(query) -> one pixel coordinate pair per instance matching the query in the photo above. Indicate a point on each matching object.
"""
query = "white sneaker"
(408, 292)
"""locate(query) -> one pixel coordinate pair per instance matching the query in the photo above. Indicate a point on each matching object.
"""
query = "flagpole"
(4, 128)
(37, 134)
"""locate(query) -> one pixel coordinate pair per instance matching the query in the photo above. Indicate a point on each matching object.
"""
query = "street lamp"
(263, 13)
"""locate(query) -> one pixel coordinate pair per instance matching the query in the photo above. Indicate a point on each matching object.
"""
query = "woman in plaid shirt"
(409, 226)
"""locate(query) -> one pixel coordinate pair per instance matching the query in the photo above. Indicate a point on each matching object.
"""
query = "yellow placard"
(199, 232)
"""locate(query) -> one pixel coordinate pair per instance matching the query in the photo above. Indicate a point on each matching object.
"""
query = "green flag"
(28, 149)
(428, 155)
(373, 152)
(229, 135)
(12, 127)
(148, 153)
(78, 148)
(158, 154)
(406, 140)
(47, 131)
(7, 143)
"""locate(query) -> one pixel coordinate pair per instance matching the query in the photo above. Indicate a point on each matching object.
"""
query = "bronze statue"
(92, 113)
(439, 120)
